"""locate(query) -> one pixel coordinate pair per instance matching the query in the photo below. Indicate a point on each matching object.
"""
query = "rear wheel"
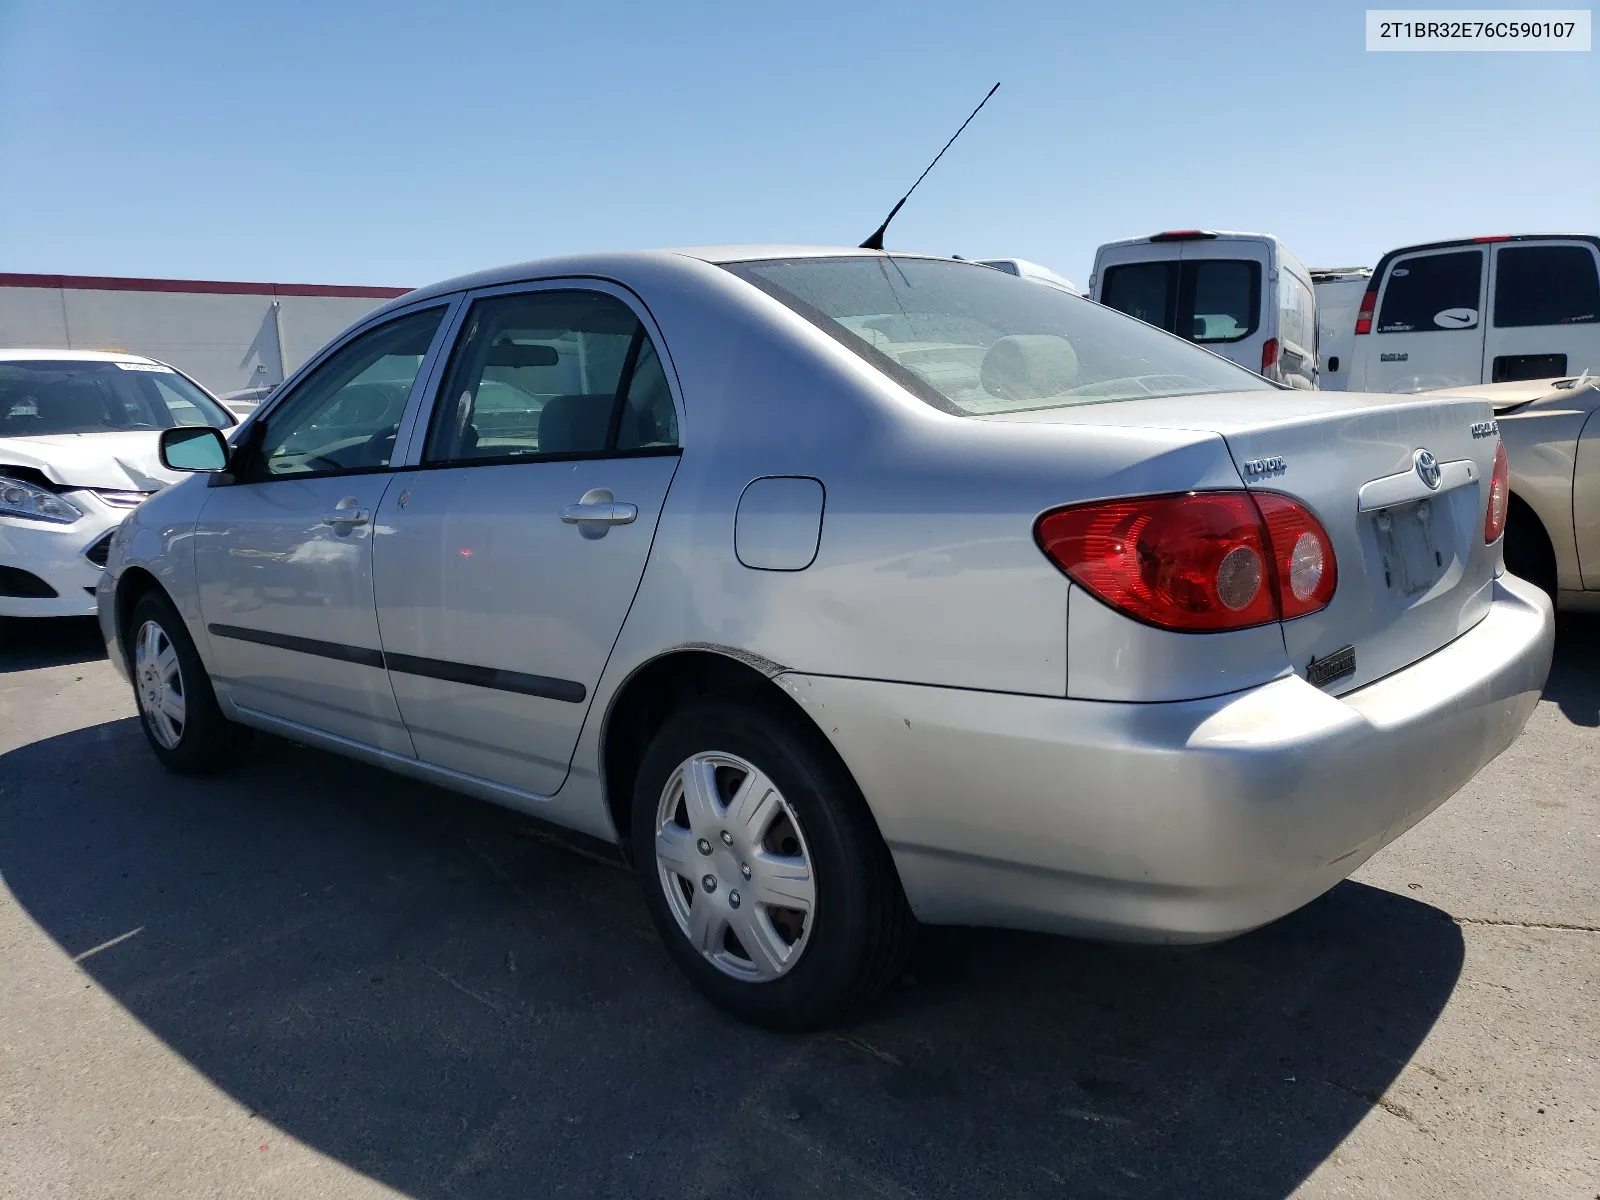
(177, 708)
(1528, 552)
(765, 875)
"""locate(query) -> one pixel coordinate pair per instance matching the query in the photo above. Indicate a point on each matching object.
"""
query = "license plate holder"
(1408, 537)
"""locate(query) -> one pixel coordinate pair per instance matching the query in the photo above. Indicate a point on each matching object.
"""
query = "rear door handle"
(596, 511)
(605, 513)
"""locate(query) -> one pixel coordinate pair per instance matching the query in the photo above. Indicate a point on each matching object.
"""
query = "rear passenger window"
(550, 373)
(1433, 292)
(1545, 285)
(648, 418)
(1147, 290)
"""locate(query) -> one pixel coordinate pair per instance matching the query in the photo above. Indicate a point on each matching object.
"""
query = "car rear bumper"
(51, 555)
(1187, 821)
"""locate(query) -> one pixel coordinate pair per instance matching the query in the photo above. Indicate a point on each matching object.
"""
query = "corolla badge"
(1427, 468)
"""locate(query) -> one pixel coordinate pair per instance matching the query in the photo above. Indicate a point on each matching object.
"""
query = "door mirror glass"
(194, 448)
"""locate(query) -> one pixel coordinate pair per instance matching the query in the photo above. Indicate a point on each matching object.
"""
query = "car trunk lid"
(1414, 572)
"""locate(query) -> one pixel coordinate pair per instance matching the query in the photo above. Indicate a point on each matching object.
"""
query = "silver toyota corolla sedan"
(846, 590)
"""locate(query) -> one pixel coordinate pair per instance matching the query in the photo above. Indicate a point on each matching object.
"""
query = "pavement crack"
(867, 1047)
(1392, 1107)
(1570, 927)
(466, 991)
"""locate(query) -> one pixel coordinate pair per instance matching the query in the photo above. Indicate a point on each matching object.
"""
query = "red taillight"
(1494, 521)
(1197, 562)
(1369, 304)
(1304, 569)
(1494, 237)
(1269, 355)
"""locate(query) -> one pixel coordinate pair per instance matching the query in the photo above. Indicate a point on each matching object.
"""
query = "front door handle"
(597, 511)
(347, 513)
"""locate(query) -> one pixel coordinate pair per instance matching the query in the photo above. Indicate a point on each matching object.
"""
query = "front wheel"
(763, 870)
(177, 707)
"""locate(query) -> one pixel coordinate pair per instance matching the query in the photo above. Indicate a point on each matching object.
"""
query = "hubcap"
(734, 866)
(158, 684)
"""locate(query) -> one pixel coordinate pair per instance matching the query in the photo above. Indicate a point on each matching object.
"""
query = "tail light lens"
(1200, 562)
(1269, 355)
(1303, 564)
(1369, 305)
(1494, 521)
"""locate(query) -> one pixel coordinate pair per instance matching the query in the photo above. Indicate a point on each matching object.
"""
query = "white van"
(1479, 310)
(1339, 291)
(1030, 271)
(1241, 295)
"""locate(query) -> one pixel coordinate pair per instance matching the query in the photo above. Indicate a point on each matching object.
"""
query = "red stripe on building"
(108, 283)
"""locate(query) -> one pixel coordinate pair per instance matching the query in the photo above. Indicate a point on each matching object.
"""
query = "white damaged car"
(78, 433)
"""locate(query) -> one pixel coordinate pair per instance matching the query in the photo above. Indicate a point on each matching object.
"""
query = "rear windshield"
(39, 397)
(972, 341)
(1204, 300)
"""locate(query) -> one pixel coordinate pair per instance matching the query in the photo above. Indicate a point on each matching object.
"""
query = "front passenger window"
(345, 414)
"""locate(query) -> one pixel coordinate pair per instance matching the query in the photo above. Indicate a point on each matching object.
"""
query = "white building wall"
(227, 336)
(32, 317)
(310, 322)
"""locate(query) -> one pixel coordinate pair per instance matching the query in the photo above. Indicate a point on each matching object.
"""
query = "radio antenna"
(875, 242)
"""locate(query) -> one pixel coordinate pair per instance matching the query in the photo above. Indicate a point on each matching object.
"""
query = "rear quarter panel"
(1542, 449)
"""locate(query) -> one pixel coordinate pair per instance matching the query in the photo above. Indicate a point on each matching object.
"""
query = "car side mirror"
(194, 448)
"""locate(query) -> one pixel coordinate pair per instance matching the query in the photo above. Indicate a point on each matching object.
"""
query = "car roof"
(606, 264)
(29, 354)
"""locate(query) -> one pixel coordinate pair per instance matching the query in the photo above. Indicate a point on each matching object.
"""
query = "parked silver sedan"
(846, 590)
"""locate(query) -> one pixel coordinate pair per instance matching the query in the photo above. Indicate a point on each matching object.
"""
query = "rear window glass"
(1147, 290)
(1433, 292)
(971, 341)
(1206, 300)
(40, 397)
(1223, 300)
(1545, 285)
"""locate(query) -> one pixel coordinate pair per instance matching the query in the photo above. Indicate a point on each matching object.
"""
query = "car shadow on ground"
(433, 992)
(26, 644)
(1574, 682)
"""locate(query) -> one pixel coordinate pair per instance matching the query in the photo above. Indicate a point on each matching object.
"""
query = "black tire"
(859, 930)
(1528, 552)
(206, 741)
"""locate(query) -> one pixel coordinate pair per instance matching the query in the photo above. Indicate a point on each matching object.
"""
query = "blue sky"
(397, 143)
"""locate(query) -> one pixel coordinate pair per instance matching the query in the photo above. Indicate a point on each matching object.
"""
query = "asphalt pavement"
(310, 978)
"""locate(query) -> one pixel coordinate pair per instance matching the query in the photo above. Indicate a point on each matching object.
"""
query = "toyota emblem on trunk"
(1427, 468)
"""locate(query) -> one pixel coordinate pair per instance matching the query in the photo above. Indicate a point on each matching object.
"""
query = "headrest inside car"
(521, 354)
(574, 424)
(1029, 366)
